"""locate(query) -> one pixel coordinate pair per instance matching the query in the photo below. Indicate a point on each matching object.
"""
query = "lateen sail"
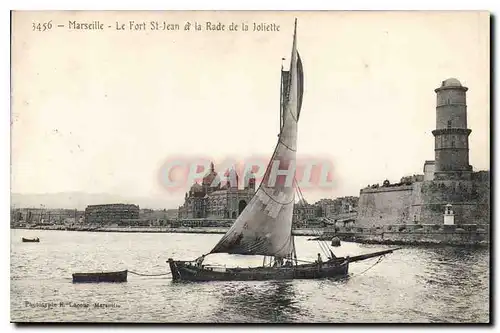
(265, 225)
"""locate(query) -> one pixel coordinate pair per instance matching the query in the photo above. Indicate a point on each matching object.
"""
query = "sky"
(102, 111)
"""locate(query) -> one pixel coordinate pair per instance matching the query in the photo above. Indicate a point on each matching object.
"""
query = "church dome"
(210, 176)
(451, 82)
(196, 188)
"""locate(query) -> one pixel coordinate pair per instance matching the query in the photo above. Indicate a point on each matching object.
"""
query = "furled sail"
(283, 93)
(285, 81)
(265, 225)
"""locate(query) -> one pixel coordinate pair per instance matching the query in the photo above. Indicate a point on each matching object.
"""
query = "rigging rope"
(132, 272)
(323, 246)
(279, 203)
(366, 270)
(286, 146)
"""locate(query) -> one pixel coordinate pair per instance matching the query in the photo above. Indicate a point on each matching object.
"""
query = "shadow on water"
(269, 301)
(276, 301)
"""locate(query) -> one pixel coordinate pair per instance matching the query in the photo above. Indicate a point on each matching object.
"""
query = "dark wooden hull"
(30, 240)
(186, 271)
(100, 277)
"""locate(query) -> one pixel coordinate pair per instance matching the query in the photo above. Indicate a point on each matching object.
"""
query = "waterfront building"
(333, 207)
(31, 216)
(324, 211)
(214, 200)
(111, 214)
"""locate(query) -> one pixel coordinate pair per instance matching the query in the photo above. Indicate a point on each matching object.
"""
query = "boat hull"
(186, 271)
(100, 277)
(30, 240)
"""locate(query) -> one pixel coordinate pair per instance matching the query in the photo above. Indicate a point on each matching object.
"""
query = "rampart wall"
(424, 203)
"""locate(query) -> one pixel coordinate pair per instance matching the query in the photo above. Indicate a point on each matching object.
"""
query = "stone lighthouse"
(451, 133)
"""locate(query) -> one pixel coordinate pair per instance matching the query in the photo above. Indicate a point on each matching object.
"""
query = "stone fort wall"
(384, 205)
(470, 200)
(423, 203)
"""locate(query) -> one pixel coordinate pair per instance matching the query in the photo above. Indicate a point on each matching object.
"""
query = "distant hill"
(80, 200)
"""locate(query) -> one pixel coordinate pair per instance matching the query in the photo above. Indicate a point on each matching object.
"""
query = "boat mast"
(294, 255)
(294, 250)
(268, 216)
(282, 100)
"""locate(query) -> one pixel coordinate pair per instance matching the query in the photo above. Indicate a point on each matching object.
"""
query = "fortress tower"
(451, 133)
(448, 193)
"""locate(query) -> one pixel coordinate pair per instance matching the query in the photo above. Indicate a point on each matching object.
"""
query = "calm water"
(441, 284)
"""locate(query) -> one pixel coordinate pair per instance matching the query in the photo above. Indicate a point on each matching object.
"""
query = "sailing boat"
(264, 227)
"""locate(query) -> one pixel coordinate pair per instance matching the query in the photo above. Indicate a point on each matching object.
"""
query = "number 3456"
(37, 26)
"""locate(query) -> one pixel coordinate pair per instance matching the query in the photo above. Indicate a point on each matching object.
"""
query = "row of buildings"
(45, 216)
(447, 181)
(218, 209)
(212, 203)
(212, 200)
(99, 215)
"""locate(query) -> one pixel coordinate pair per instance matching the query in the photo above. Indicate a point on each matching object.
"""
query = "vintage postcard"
(250, 167)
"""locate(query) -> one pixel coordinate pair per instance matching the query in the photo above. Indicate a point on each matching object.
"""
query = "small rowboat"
(31, 240)
(100, 277)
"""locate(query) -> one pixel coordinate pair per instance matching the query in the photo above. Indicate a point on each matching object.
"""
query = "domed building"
(211, 200)
(196, 190)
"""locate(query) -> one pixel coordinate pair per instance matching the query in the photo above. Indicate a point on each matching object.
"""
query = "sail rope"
(322, 245)
(132, 272)
(291, 115)
(276, 201)
(286, 146)
(366, 270)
